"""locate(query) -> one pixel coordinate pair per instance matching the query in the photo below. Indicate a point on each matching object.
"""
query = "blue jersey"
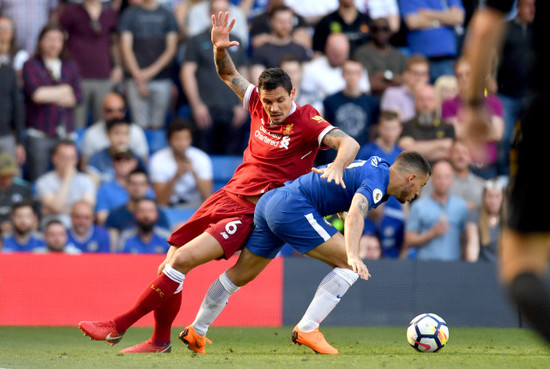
(367, 177)
(96, 241)
(34, 242)
(131, 242)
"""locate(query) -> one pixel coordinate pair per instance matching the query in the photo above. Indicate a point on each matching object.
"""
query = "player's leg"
(523, 263)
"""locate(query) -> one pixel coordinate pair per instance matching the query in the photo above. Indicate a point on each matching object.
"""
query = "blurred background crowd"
(114, 125)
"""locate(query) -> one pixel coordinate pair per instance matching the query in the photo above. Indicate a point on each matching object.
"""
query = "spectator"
(217, 112)
(351, 110)
(484, 225)
(348, 20)
(61, 187)
(10, 53)
(294, 68)
(10, 192)
(148, 42)
(382, 9)
(260, 27)
(515, 62)
(437, 223)
(91, 30)
(369, 247)
(55, 238)
(426, 132)
(145, 237)
(29, 17)
(401, 98)
(24, 223)
(199, 19)
(51, 84)
(122, 217)
(101, 167)
(384, 62)
(432, 28)
(323, 75)
(385, 145)
(484, 164)
(84, 234)
(446, 88)
(466, 184)
(181, 174)
(312, 11)
(96, 139)
(113, 193)
(278, 45)
(13, 115)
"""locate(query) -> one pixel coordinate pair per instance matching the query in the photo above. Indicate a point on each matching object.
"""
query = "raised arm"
(224, 65)
(354, 223)
(347, 149)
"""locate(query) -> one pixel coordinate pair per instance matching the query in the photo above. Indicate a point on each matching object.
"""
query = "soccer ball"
(428, 333)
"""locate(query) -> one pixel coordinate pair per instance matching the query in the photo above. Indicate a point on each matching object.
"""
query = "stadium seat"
(156, 139)
(177, 216)
(224, 167)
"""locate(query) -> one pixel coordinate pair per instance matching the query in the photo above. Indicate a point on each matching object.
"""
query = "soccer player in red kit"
(284, 141)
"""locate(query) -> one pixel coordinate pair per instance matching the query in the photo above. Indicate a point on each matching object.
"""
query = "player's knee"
(240, 277)
(182, 261)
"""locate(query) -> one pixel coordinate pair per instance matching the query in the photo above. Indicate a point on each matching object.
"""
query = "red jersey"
(277, 153)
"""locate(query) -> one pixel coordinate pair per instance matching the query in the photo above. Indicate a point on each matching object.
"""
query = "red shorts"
(227, 217)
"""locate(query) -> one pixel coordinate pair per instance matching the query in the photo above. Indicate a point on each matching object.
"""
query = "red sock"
(156, 293)
(164, 317)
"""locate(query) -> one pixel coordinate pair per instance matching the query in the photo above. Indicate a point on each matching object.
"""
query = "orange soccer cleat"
(101, 331)
(193, 341)
(314, 340)
(148, 347)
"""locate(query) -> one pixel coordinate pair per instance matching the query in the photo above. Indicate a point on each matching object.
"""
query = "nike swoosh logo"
(109, 338)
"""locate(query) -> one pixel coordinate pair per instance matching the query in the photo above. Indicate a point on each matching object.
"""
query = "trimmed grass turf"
(360, 347)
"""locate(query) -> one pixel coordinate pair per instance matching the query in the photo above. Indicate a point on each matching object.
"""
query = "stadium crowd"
(112, 116)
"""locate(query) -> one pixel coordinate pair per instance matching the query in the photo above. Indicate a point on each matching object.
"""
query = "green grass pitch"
(251, 348)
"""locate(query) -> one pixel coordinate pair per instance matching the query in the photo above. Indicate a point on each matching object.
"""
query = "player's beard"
(145, 227)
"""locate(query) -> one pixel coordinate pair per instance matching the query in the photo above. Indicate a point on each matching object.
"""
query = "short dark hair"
(389, 115)
(115, 122)
(179, 124)
(63, 142)
(23, 204)
(52, 222)
(271, 78)
(279, 8)
(413, 161)
(138, 170)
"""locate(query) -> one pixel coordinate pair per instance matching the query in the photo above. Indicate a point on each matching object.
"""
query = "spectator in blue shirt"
(24, 236)
(385, 145)
(84, 234)
(145, 237)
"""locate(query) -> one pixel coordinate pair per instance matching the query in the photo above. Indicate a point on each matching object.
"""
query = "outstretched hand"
(221, 30)
(332, 173)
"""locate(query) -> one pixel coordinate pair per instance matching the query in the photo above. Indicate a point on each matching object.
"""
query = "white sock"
(214, 302)
(328, 295)
(174, 275)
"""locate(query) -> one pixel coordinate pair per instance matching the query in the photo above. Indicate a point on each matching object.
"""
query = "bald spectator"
(426, 132)
(96, 139)
(323, 75)
(84, 234)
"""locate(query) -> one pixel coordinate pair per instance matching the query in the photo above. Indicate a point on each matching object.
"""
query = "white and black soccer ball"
(428, 333)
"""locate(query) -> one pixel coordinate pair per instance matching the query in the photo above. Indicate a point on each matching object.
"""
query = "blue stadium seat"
(224, 167)
(156, 139)
(178, 215)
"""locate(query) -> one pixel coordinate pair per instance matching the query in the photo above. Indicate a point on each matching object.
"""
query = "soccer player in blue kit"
(294, 214)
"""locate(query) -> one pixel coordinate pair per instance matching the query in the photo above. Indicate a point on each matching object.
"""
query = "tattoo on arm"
(363, 206)
(229, 74)
(333, 138)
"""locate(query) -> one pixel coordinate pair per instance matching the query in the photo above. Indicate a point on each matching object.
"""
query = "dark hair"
(53, 221)
(138, 170)
(47, 28)
(115, 122)
(279, 8)
(389, 115)
(23, 204)
(413, 161)
(179, 124)
(63, 142)
(272, 78)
